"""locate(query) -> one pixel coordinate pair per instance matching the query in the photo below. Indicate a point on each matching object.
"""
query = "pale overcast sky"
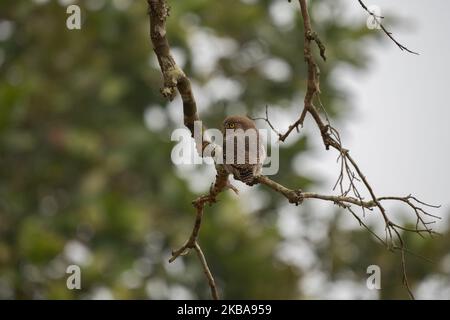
(399, 132)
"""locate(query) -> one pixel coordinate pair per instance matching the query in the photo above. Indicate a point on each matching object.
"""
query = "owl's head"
(238, 122)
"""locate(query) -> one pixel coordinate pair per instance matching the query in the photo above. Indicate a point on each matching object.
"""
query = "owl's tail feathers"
(247, 177)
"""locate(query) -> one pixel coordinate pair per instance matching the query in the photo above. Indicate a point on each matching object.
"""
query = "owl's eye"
(231, 125)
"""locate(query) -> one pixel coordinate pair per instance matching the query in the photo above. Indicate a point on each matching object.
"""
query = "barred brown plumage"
(243, 151)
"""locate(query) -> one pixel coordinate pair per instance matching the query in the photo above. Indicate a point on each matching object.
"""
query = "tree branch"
(175, 78)
(349, 168)
(377, 19)
(313, 86)
(192, 243)
(298, 196)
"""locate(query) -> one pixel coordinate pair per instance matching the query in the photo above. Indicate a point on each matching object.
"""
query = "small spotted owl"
(243, 151)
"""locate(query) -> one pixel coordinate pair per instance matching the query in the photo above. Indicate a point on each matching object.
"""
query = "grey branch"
(377, 19)
(175, 78)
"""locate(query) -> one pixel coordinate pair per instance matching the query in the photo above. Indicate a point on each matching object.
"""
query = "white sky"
(397, 132)
(399, 129)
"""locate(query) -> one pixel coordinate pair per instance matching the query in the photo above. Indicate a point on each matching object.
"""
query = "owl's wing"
(256, 155)
(246, 159)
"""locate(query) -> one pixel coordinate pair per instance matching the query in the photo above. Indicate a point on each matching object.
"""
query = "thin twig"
(175, 78)
(377, 20)
(313, 69)
(266, 119)
(192, 243)
(208, 274)
(349, 167)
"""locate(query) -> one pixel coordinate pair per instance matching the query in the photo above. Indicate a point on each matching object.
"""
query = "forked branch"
(175, 79)
(349, 197)
(350, 171)
(377, 20)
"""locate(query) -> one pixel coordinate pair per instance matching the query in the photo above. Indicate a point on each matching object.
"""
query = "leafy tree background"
(85, 170)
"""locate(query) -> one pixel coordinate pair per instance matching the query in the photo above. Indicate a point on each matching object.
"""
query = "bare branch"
(349, 168)
(266, 119)
(174, 77)
(298, 196)
(208, 274)
(377, 20)
(192, 242)
(349, 196)
(405, 276)
(313, 70)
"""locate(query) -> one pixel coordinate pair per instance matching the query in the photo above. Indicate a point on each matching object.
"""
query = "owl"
(243, 151)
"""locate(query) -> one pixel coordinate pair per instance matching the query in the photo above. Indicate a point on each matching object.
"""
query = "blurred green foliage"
(85, 170)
